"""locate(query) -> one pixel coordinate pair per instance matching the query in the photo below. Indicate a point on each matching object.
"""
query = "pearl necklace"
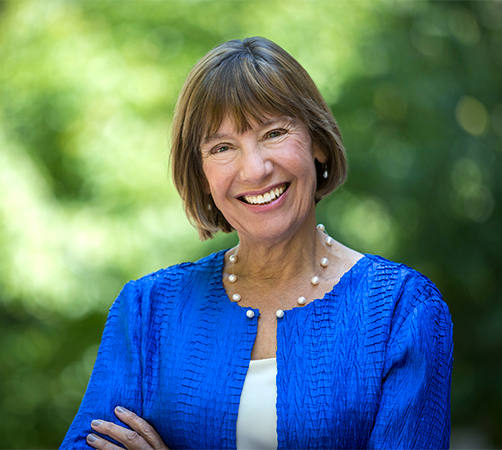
(314, 281)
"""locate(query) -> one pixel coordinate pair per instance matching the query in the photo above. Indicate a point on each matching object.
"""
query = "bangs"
(245, 91)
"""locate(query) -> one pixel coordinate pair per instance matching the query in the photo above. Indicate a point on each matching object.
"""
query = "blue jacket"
(367, 366)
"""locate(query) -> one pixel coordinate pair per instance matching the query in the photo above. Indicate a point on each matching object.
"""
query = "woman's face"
(263, 180)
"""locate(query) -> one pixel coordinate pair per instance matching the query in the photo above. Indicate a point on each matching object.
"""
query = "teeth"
(265, 198)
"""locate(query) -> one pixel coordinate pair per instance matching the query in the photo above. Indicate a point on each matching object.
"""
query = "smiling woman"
(252, 85)
(290, 339)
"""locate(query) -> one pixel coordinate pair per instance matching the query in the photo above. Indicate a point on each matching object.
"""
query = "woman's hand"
(141, 436)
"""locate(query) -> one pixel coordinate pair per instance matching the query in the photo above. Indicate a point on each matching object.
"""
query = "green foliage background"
(87, 90)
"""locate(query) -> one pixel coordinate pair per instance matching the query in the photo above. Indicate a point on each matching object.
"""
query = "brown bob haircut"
(248, 80)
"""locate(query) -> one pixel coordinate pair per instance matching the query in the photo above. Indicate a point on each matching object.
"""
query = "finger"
(129, 438)
(102, 444)
(141, 426)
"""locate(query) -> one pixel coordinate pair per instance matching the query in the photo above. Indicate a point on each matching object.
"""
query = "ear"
(319, 154)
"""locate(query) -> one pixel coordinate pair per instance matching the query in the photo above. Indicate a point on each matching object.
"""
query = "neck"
(278, 262)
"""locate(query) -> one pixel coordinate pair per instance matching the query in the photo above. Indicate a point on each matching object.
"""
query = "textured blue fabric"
(367, 366)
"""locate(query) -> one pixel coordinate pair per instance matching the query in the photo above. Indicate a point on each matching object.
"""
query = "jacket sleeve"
(414, 411)
(116, 376)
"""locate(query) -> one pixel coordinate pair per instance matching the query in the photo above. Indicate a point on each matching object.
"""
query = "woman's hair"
(248, 80)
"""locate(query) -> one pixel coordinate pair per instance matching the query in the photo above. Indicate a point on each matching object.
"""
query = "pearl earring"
(325, 173)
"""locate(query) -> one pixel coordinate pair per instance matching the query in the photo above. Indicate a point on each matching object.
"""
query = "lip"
(263, 191)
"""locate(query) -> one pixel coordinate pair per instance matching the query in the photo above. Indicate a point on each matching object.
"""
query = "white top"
(257, 419)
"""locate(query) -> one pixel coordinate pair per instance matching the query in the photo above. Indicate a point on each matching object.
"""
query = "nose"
(256, 165)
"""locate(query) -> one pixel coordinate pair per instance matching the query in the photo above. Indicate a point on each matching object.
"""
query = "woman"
(290, 339)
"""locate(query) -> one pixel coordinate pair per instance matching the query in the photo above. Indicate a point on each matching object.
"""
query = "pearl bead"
(279, 313)
(236, 297)
(233, 259)
(233, 278)
(302, 300)
(329, 240)
(321, 227)
(315, 280)
(250, 313)
(324, 262)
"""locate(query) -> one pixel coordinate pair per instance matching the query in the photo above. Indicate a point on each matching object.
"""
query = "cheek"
(308, 173)
(215, 183)
(303, 164)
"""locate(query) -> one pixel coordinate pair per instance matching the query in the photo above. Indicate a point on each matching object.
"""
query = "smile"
(265, 198)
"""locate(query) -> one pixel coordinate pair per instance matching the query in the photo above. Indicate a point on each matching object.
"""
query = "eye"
(276, 133)
(220, 148)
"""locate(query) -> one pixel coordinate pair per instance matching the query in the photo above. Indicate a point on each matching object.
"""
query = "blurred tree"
(86, 93)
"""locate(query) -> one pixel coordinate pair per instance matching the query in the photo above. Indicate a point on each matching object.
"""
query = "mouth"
(265, 198)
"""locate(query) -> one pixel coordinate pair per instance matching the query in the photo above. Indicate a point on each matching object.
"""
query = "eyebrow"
(265, 124)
